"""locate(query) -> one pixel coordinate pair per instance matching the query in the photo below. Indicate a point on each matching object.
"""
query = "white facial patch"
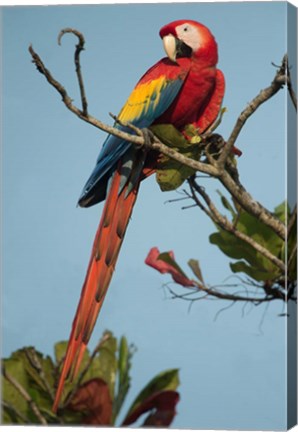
(190, 35)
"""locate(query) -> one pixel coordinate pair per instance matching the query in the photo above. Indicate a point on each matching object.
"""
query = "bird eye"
(185, 29)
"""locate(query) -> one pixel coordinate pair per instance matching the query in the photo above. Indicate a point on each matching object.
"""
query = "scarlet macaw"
(182, 89)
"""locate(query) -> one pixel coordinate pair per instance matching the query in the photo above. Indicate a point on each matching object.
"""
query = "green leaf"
(233, 247)
(225, 202)
(255, 264)
(170, 136)
(167, 380)
(123, 361)
(254, 273)
(30, 357)
(60, 350)
(171, 174)
(124, 365)
(193, 133)
(282, 211)
(104, 364)
(15, 367)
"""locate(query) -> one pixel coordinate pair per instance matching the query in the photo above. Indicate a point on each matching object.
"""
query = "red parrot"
(184, 88)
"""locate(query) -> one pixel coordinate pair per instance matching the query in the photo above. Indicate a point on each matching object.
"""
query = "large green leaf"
(255, 273)
(170, 136)
(38, 375)
(14, 367)
(167, 380)
(37, 379)
(171, 174)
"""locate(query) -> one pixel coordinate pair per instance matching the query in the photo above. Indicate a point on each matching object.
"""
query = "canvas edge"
(291, 195)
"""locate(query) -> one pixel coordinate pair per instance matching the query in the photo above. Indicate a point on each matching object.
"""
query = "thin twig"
(79, 48)
(222, 310)
(252, 206)
(226, 225)
(278, 82)
(25, 395)
(227, 296)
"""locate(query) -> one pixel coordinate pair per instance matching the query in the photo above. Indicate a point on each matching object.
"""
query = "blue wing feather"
(147, 102)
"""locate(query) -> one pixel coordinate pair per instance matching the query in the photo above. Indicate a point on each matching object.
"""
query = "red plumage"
(190, 90)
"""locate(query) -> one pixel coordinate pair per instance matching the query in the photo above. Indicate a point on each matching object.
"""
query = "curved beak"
(169, 44)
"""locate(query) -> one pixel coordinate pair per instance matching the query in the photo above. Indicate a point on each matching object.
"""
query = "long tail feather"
(106, 247)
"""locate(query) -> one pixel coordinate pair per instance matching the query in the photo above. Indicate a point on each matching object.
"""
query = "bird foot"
(148, 138)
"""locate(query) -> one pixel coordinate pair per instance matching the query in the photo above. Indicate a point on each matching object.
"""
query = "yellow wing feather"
(143, 99)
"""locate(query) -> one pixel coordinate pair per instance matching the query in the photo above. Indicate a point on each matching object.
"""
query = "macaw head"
(188, 38)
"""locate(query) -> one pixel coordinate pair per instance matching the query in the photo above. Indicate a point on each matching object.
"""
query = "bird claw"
(148, 138)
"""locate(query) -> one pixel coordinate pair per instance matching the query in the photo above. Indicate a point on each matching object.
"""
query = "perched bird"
(184, 88)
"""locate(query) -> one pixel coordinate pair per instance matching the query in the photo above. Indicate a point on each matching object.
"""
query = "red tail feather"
(106, 247)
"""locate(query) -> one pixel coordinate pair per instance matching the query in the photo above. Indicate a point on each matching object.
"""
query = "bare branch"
(278, 82)
(226, 296)
(24, 395)
(252, 206)
(79, 48)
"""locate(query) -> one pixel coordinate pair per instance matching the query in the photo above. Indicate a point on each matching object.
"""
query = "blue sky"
(232, 369)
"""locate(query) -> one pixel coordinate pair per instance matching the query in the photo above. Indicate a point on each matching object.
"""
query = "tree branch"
(79, 48)
(225, 296)
(214, 168)
(226, 225)
(252, 206)
(280, 79)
